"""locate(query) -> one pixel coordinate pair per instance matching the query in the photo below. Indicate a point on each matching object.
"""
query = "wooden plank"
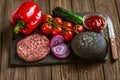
(59, 72)
(117, 3)
(56, 72)
(54, 3)
(41, 72)
(111, 70)
(61, 3)
(63, 72)
(2, 3)
(82, 6)
(38, 73)
(6, 72)
(18, 74)
(44, 6)
(69, 72)
(93, 71)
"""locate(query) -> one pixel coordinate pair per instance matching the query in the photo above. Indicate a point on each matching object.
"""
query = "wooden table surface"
(99, 71)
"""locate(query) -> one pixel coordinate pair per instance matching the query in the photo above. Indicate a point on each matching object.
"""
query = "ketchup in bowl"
(94, 22)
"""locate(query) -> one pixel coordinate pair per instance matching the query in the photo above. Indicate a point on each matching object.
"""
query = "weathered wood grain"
(111, 70)
(54, 3)
(82, 5)
(94, 71)
(44, 6)
(38, 73)
(41, 72)
(63, 72)
(69, 72)
(6, 72)
(99, 71)
(117, 3)
(2, 4)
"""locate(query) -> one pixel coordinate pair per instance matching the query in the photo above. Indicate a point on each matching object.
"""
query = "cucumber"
(67, 15)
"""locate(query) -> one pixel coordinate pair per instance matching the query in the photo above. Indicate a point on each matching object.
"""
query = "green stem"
(20, 24)
(16, 29)
(70, 29)
(65, 28)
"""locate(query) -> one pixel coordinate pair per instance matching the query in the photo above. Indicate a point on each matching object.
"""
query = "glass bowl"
(94, 22)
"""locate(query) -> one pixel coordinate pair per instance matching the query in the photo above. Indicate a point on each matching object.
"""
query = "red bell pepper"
(26, 18)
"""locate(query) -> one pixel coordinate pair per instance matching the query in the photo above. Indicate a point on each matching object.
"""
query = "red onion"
(61, 50)
(58, 39)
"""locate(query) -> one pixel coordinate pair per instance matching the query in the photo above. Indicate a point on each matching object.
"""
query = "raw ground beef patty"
(33, 47)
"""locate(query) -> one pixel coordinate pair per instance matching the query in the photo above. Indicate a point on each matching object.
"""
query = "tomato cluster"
(56, 26)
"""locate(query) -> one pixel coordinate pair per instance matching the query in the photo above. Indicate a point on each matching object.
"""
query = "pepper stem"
(16, 29)
(20, 24)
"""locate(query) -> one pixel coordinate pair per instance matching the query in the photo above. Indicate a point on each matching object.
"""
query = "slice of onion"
(58, 39)
(61, 51)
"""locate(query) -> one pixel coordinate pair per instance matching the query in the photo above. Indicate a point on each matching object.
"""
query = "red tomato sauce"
(95, 23)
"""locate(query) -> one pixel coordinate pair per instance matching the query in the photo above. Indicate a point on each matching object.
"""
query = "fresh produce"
(60, 27)
(58, 20)
(46, 28)
(68, 35)
(61, 51)
(58, 39)
(58, 47)
(67, 15)
(68, 25)
(78, 27)
(89, 45)
(47, 18)
(57, 31)
(94, 22)
(26, 18)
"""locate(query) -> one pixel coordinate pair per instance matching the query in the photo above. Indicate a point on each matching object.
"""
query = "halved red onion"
(58, 39)
(61, 50)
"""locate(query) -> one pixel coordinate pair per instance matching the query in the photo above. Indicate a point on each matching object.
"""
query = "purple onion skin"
(58, 39)
(61, 51)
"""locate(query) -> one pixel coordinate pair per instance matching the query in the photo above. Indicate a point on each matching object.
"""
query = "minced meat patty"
(33, 47)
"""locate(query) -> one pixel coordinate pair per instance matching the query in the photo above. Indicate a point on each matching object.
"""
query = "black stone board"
(15, 61)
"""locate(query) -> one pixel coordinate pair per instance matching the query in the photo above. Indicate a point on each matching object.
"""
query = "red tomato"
(68, 25)
(56, 31)
(47, 18)
(58, 20)
(68, 35)
(78, 27)
(46, 28)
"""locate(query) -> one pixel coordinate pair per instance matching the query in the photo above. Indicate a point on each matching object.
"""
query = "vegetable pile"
(56, 26)
(63, 25)
(26, 18)
(58, 47)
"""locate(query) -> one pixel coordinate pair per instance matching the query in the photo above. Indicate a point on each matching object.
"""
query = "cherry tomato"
(68, 35)
(68, 25)
(47, 18)
(58, 20)
(56, 31)
(46, 28)
(78, 27)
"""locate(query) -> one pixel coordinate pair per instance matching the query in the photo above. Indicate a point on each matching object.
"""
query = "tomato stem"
(63, 27)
